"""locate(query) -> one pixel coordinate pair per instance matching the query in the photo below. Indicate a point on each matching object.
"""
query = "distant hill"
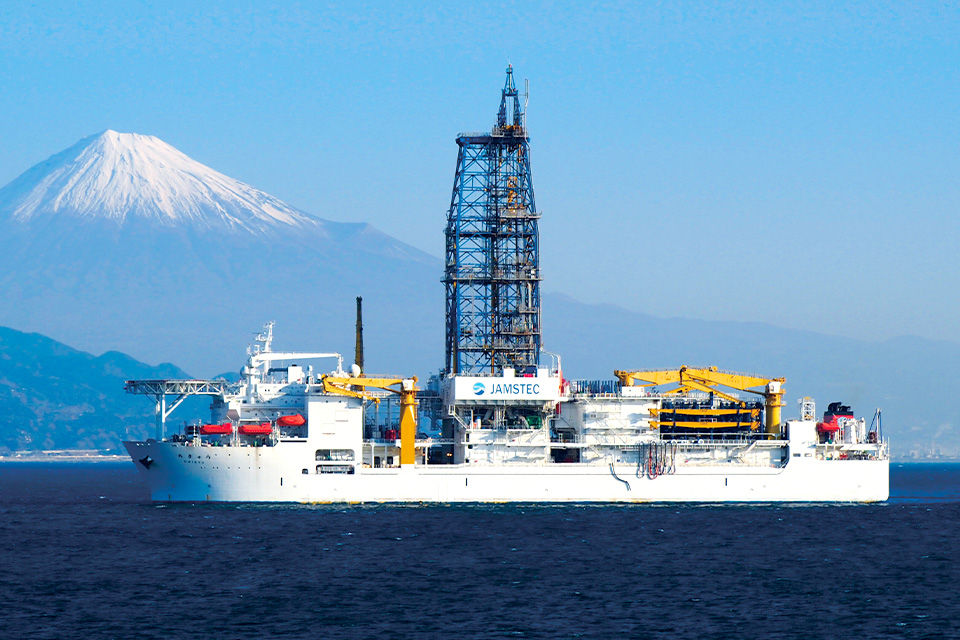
(55, 397)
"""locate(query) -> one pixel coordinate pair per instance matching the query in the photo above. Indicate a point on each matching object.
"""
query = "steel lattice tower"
(492, 275)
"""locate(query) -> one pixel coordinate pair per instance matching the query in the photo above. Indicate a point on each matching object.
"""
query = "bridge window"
(335, 455)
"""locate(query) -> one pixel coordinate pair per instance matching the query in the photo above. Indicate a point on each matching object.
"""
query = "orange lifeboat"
(216, 429)
(262, 429)
(296, 420)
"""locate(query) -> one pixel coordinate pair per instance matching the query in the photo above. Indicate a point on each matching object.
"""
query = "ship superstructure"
(501, 422)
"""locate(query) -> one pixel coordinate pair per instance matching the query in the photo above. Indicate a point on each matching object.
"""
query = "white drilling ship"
(285, 434)
(503, 426)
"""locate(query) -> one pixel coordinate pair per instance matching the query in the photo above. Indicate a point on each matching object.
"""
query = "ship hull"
(179, 473)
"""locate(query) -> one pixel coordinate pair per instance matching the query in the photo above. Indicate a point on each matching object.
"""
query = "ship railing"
(532, 437)
(853, 450)
(701, 444)
(432, 442)
(599, 388)
(627, 443)
(603, 439)
(508, 131)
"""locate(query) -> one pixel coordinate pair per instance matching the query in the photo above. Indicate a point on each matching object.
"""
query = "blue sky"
(778, 162)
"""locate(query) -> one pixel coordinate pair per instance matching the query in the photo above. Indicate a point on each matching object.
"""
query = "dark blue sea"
(84, 554)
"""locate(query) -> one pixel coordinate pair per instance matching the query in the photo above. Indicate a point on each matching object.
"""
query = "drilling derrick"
(492, 275)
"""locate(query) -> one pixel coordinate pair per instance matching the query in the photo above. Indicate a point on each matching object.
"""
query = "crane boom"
(707, 379)
(406, 388)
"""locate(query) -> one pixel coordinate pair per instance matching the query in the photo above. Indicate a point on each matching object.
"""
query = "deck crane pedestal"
(406, 388)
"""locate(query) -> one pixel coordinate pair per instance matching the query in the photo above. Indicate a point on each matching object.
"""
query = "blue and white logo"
(478, 389)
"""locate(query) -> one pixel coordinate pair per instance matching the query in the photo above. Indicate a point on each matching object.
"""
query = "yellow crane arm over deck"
(406, 388)
(707, 379)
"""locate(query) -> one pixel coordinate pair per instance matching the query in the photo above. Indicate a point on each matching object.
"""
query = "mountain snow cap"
(126, 176)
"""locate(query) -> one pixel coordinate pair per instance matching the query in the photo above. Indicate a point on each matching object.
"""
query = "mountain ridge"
(56, 397)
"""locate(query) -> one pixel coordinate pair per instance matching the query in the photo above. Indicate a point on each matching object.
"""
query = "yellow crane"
(406, 388)
(708, 379)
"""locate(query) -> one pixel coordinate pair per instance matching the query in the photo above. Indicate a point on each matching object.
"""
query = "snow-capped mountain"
(123, 176)
(123, 242)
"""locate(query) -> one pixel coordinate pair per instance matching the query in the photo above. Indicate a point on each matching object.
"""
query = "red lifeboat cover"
(216, 429)
(262, 429)
(831, 425)
(296, 420)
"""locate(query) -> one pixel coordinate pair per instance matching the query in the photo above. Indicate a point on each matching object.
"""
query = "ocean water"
(85, 555)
